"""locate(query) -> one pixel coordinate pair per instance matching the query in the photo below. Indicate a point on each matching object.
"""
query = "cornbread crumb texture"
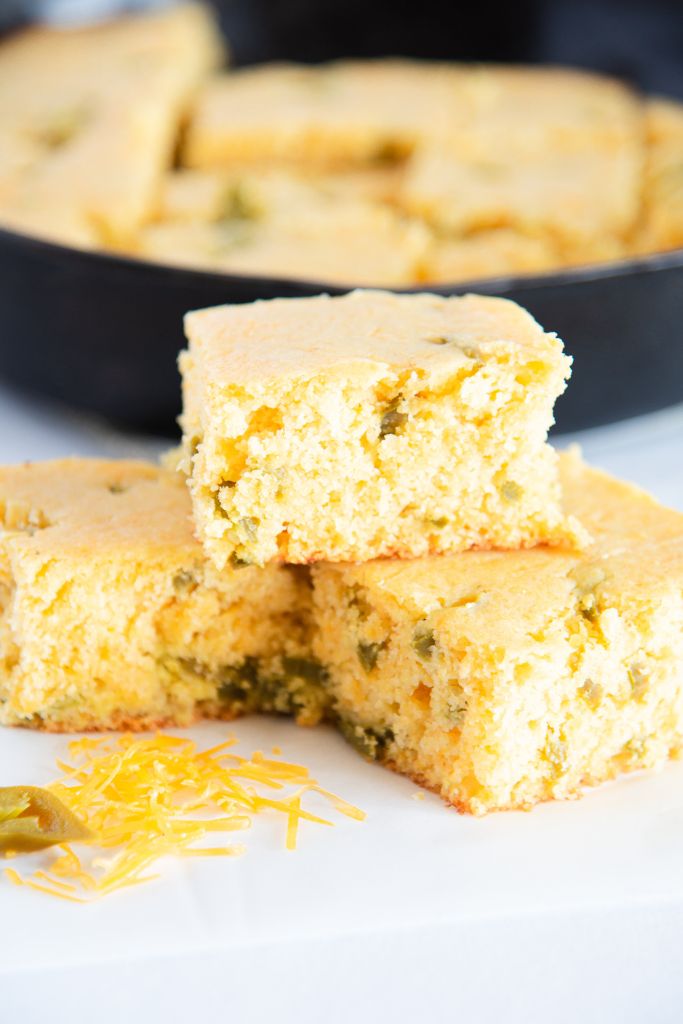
(497, 679)
(369, 425)
(111, 616)
(89, 119)
(503, 679)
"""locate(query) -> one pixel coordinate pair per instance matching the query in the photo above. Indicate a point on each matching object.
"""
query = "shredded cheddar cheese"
(144, 799)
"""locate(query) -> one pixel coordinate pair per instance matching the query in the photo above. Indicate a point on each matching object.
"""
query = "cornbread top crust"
(500, 600)
(78, 507)
(285, 339)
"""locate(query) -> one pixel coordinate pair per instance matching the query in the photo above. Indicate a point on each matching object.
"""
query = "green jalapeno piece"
(32, 818)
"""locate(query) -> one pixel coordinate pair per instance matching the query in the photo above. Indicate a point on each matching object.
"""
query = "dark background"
(638, 40)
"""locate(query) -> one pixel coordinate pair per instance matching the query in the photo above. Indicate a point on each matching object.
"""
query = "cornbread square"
(566, 197)
(540, 150)
(487, 254)
(662, 226)
(343, 113)
(111, 617)
(500, 679)
(369, 425)
(248, 194)
(89, 118)
(532, 111)
(344, 243)
(323, 227)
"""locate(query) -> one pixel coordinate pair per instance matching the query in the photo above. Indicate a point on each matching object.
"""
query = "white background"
(571, 913)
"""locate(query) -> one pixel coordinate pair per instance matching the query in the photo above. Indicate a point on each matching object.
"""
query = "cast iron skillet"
(102, 331)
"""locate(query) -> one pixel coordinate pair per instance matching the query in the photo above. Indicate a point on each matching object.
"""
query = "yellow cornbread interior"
(112, 617)
(503, 679)
(370, 425)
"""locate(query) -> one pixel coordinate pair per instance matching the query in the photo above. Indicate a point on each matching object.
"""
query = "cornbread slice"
(344, 243)
(662, 226)
(500, 679)
(349, 112)
(325, 227)
(566, 197)
(248, 194)
(531, 111)
(89, 118)
(540, 150)
(111, 617)
(487, 254)
(370, 425)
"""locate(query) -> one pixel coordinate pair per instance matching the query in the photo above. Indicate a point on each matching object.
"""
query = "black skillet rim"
(649, 263)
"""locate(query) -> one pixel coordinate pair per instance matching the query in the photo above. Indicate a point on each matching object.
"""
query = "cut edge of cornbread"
(500, 680)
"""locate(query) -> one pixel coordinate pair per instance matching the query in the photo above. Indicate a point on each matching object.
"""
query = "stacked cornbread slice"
(369, 526)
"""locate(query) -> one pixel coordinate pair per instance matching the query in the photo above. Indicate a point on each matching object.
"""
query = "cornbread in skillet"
(543, 151)
(662, 226)
(266, 194)
(344, 113)
(89, 119)
(370, 425)
(111, 617)
(568, 198)
(487, 254)
(284, 224)
(500, 679)
(343, 243)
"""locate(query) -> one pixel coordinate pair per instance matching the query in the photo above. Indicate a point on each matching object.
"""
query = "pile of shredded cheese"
(150, 798)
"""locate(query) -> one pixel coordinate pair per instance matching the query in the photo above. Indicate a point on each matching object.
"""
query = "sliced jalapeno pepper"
(32, 818)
